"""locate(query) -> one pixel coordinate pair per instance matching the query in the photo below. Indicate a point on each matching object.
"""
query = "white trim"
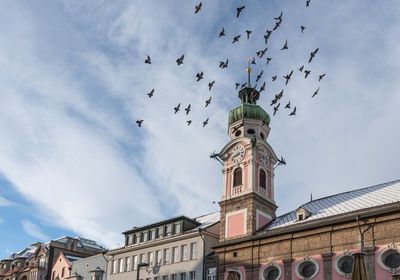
(304, 260)
(346, 253)
(384, 253)
(235, 213)
(271, 264)
(258, 212)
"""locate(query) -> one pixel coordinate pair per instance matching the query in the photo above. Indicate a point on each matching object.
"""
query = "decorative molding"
(384, 253)
(271, 265)
(301, 263)
(244, 211)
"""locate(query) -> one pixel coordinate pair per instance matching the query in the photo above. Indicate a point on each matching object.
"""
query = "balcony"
(237, 190)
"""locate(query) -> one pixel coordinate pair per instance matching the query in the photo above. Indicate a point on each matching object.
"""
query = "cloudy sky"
(73, 82)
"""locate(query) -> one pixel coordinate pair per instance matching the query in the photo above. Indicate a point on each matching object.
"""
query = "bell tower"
(247, 201)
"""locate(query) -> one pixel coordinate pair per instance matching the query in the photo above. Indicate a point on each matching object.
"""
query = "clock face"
(263, 155)
(237, 154)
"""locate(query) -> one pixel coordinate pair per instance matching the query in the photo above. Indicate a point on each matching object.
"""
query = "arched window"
(263, 179)
(237, 177)
(62, 272)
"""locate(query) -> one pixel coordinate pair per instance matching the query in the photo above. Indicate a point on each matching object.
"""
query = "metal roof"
(342, 203)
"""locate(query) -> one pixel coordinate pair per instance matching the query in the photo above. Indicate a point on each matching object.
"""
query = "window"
(160, 232)
(389, 258)
(306, 268)
(158, 257)
(54, 275)
(237, 177)
(63, 272)
(114, 266)
(142, 258)
(192, 275)
(301, 217)
(128, 265)
(193, 251)
(184, 252)
(137, 238)
(130, 239)
(392, 260)
(212, 273)
(135, 262)
(156, 278)
(233, 275)
(152, 234)
(121, 265)
(271, 271)
(166, 256)
(173, 277)
(177, 228)
(145, 235)
(168, 229)
(263, 179)
(150, 258)
(165, 277)
(42, 261)
(183, 276)
(175, 252)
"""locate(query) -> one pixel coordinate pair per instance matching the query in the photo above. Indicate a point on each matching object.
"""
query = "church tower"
(247, 201)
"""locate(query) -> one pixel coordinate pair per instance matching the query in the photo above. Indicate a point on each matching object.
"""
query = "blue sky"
(73, 83)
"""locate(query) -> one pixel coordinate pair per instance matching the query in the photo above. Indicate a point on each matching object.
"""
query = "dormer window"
(302, 214)
(144, 236)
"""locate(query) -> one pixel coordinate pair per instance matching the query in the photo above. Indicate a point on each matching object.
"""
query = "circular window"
(251, 131)
(307, 268)
(234, 275)
(344, 264)
(238, 132)
(389, 258)
(271, 272)
(262, 135)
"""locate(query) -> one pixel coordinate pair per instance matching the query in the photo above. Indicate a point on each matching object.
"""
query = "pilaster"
(287, 269)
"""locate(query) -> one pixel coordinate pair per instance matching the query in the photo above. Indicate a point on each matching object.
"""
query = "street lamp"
(138, 268)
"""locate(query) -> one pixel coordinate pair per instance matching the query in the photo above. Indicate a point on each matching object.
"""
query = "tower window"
(251, 131)
(237, 177)
(263, 179)
(262, 135)
(238, 132)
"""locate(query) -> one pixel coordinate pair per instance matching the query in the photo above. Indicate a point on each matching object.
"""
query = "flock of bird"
(224, 64)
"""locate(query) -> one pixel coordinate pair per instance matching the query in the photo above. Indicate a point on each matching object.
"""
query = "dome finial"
(248, 70)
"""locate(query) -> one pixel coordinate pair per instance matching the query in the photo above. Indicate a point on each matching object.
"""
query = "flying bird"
(235, 39)
(179, 61)
(210, 85)
(259, 76)
(274, 101)
(301, 68)
(199, 76)
(302, 28)
(197, 8)
(223, 64)
(148, 60)
(313, 54)
(238, 10)
(269, 32)
(151, 93)
(261, 53)
(222, 33)
(208, 101)
(139, 123)
(293, 112)
(248, 32)
(187, 109)
(285, 47)
(268, 60)
(237, 85)
(288, 105)
(262, 88)
(205, 122)
(276, 108)
(316, 92)
(189, 122)
(320, 77)
(287, 77)
(253, 61)
(308, 3)
(276, 25)
(279, 95)
(274, 78)
(307, 73)
(177, 108)
(243, 85)
(279, 18)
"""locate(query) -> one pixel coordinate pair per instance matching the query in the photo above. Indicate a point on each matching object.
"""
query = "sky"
(73, 82)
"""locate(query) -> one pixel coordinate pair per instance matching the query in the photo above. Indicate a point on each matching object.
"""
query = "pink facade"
(235, 225)
(318, 259)
(60, 268)
(262, 221)
(380, 272)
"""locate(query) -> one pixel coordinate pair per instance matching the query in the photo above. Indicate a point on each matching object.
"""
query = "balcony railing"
(237, 190)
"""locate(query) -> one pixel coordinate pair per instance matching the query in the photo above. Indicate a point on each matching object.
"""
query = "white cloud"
(5, 202)
(33, 230)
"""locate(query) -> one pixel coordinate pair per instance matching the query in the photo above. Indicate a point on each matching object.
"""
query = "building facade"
(36, 262)
(90, 268)
(314, 241)
(172, 250)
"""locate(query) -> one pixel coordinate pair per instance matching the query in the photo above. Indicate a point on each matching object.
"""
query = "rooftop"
(342, 203)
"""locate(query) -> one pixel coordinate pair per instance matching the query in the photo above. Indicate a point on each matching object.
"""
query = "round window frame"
(274, 265)
(384, 253)
(301, 264)
(337, 262)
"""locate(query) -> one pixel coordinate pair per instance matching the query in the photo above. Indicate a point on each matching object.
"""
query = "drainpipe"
(204, 253)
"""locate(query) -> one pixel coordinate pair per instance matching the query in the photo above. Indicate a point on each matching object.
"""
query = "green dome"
(249, 111)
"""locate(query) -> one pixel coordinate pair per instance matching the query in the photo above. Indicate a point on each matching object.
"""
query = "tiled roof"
(342, 203)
